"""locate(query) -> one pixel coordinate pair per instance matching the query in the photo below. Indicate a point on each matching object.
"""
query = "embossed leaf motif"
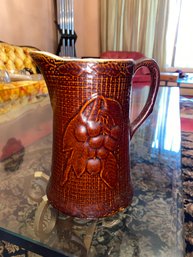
(109, 173)
(79, 159)
(115, 70)
(71, 69)
(90, 140)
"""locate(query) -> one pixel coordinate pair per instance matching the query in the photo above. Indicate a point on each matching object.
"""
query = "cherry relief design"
(90, 141)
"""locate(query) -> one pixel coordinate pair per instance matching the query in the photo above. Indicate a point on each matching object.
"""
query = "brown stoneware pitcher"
(90, 98)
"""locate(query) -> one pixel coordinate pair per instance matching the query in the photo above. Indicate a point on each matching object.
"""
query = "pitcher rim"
(87, 59)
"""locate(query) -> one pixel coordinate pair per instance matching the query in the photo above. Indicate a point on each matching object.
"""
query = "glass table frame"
(153, 224)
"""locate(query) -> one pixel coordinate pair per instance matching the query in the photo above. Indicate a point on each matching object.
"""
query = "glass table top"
(151, 226)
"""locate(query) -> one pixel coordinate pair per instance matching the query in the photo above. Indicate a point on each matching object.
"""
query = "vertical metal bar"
(64, 26)
(61, 21)
(65, 20)
(70, 27)
(72, 17)
(73, 43)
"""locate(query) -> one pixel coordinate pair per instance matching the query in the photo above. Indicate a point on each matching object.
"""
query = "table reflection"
(151, 226)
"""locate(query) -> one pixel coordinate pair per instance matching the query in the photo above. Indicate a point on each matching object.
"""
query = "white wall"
(87, 27)
(25, 22)
(31, 22)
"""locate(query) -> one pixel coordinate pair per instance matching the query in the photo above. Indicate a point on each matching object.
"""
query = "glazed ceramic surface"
(90, 99)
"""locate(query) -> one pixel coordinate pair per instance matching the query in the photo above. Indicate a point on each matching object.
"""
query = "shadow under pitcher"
(90, 98)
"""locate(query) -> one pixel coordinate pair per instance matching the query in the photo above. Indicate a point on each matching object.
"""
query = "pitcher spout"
(44, 60)
(49, 66)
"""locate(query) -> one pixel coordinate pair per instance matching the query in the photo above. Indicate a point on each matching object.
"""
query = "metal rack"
(65, 26)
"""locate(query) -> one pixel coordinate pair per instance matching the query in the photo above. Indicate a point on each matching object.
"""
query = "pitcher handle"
(155, 80)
